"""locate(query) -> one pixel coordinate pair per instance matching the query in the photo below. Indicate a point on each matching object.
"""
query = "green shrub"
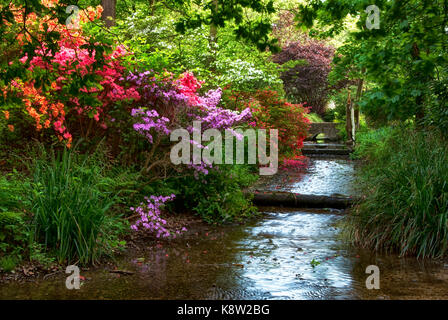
(218, 196)
(14, 239)
(371, 142)
(8, 263)
(405, 190)
(12, 192)
(340, 127)
(14, 232)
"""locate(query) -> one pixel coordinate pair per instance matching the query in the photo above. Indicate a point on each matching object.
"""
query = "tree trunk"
(213, 38)
(152, 6)
(358, 97)
(349, 115)
(109, 12)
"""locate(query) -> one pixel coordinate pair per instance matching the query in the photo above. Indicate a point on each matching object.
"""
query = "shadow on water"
(285, 254)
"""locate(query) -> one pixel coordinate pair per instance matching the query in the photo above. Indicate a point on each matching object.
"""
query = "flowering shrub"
(150, 217)
(67, 84)
(188, 85)
(74, 69)
(168, 103)
(270, 111)
(160, 92)
(215, 117)
(157, 102)
(244, 75)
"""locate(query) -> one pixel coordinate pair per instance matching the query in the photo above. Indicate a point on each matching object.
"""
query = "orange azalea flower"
(54, 86)
(6, 114)
(11, 127)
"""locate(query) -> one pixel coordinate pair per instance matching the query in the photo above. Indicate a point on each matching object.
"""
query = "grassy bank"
(405, 193)
(63, 206)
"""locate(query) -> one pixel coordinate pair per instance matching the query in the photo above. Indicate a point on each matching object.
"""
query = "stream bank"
(284, 254)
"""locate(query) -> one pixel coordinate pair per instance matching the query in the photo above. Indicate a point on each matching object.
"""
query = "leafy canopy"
(404, 61)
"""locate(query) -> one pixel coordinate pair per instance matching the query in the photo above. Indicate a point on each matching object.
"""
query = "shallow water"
(285, 254)
(321, 177)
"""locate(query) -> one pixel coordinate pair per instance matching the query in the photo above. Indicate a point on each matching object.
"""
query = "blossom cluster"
(150, 120)
(203, 168)
(156, 90)
(188, 85)
(150, 217)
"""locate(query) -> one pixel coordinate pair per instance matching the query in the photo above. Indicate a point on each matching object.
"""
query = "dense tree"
(308, 81)
(250, 18)
(404, 61)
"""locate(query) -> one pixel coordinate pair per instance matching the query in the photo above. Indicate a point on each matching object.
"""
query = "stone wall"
(327, 128)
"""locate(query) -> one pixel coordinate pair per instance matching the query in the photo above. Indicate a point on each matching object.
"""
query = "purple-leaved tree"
(307, 82)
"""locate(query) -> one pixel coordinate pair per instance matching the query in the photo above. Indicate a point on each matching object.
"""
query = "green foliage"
(218, 196)
(246, 76)
(14, 237)
(33, 211)
(249, 19)
(370, 143)
(402, 62)
(16, 231)
(405, 194)
(314, 263)
(70, 205)
(437, 115)
(14, 234)
(12, 192)
(8, 264)
(340, 126)
(339, 98)
(314, 117)
(222, 62)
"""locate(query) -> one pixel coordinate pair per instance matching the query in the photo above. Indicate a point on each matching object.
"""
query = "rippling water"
(321, 177)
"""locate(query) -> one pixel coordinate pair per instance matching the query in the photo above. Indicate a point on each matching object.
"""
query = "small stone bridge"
(327, 128)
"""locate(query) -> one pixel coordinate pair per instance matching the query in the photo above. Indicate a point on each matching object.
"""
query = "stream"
(284, 254)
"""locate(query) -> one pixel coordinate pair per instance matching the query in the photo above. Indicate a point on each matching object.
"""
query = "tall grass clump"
(405, 195)
(69, 206)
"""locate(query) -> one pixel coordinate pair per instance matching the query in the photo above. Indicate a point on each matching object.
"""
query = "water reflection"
(284, 246)
(271, 258)
(321, 177)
